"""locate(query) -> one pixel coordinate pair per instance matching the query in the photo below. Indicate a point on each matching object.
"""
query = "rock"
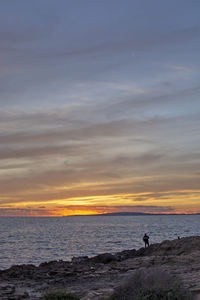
(80, 260)
(126, 254)
(100, 294)
(96, 277)
(104, 258)
(7, 289)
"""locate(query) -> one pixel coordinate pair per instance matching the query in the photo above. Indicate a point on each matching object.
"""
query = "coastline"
(96, 277)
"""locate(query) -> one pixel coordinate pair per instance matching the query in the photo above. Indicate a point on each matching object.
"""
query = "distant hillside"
(124, 213)
(127, 213)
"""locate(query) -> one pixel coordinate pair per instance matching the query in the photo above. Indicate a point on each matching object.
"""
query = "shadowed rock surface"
(96, 277)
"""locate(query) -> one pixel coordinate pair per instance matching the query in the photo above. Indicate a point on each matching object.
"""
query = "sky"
(100, 107)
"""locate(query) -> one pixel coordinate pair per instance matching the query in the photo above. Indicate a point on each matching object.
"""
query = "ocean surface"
(35, 240)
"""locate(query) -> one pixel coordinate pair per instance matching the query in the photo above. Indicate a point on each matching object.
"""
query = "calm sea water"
(35, 240)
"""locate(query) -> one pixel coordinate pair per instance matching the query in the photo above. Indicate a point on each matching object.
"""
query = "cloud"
(25, 212)
(40, 62)
(83, 118)
(119, 44)
(186, 69)
(44, 151)
(152, 100)
(71, 209)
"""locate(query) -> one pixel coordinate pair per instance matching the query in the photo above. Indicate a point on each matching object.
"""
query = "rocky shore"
(96, 277)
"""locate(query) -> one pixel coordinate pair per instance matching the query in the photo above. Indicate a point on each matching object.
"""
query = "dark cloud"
(166, 195)
(107, 129)
(42, 211)
(29, 212)
(128, 208)
(31, 152)
(151, 100)
(112, 46)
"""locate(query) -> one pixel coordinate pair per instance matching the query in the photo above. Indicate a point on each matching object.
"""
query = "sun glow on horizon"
(169, 202)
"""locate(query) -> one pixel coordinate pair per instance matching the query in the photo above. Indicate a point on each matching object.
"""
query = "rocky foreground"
(96, 277)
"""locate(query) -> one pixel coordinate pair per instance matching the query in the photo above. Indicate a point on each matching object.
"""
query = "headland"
(96, 277)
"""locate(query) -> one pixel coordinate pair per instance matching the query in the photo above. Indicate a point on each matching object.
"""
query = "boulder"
(104, 258)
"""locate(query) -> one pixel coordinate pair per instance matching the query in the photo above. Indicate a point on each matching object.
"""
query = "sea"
(32, 240)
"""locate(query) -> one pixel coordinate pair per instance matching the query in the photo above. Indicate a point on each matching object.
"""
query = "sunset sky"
(100, 106)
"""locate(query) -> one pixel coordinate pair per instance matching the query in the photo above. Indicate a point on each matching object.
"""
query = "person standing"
(146, 240)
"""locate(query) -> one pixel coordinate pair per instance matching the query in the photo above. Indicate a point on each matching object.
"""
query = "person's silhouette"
(146, 240)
